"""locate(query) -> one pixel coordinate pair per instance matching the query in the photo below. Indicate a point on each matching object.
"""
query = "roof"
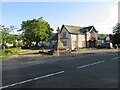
(84, 29)
(77, 29)
(73, 29)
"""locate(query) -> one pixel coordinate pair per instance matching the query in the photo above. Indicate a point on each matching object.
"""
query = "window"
(64, 34)
(64, 43)
(74, 43)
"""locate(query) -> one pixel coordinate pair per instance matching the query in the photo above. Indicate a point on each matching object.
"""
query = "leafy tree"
(6, 37)
(116, 29)
(12, 39)
(116, 32)
(102, 35)
(36, 30)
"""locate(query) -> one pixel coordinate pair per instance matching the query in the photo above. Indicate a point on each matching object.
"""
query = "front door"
(92, 44)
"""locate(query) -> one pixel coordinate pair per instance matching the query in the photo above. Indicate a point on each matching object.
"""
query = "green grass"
(11, 51)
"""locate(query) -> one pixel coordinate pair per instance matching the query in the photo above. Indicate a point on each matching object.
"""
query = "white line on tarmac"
(115, 58)
(90, 64)
(25, 81)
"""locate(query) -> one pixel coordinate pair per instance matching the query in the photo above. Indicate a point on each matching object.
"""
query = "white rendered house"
(78, 37)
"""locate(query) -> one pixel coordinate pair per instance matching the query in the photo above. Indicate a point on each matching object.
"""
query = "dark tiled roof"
(83, 30)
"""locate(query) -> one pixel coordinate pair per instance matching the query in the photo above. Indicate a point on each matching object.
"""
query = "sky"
(102, 15)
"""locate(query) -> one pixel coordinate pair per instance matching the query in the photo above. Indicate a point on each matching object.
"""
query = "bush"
(20, 45)
(8, 52)
(25, 47)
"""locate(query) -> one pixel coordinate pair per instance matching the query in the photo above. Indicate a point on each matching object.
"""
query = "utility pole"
(86, 37)
(58, 41)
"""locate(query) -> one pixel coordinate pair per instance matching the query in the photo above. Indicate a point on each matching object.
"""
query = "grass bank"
(11, 51)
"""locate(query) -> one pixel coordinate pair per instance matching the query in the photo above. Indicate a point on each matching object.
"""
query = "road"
(95, 70)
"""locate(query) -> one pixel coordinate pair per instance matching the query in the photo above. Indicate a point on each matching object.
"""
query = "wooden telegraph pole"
(58, 41)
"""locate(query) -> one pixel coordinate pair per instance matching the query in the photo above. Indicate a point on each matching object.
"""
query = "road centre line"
(115, 58)
(48, 75)
(25, 81)
(90, 64)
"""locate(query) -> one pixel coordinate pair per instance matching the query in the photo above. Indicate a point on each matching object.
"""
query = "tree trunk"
(36, 43)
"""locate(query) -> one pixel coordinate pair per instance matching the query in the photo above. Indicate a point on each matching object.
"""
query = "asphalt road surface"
(75, 71)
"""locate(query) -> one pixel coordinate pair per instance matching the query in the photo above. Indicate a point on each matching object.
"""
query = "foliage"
(36, 30)
(6, 37)
(116, 29)
(116, 36)
(11, 51)
(102, 36)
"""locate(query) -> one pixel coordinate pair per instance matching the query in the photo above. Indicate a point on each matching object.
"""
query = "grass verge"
(11, 51)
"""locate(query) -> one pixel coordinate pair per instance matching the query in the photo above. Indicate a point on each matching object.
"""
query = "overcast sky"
(103, 15)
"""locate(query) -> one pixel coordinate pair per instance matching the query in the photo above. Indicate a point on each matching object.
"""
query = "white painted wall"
(81, 38)
(83, 41)
(73, 40)
(67, 36)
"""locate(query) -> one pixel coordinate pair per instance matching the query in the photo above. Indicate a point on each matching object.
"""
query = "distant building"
(100, 40)
(107, 38)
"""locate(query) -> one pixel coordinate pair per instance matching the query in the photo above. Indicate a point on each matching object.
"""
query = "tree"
(12, 39)
(116, 29)
(5, 33)
(102, 36)
(116, 32)
(36, 30)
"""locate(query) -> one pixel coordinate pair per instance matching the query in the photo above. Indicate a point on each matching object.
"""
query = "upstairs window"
(64, 34)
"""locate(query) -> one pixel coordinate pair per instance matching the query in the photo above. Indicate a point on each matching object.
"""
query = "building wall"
(73, 41)
(92, 34)
(81, 41)
(67, 39)
(77, 41)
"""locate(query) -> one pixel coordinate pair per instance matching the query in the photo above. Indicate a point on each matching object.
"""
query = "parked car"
(104, 45)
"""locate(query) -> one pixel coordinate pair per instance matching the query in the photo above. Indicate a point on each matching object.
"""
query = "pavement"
(83, 69)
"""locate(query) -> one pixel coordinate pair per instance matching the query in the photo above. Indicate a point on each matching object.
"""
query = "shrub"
(20, 45)
(8, 52)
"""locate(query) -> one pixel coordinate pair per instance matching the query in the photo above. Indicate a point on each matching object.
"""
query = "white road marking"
(90, 64)
(25, 81)
(115, 58)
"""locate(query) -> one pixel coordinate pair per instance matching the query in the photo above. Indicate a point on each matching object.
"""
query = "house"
(54, 38)
(100, 40)
(78, 37)
(107, 38)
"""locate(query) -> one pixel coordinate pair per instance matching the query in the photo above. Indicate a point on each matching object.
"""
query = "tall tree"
(116, 29)
(5, 33)
(36, 30)
(116, 32)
